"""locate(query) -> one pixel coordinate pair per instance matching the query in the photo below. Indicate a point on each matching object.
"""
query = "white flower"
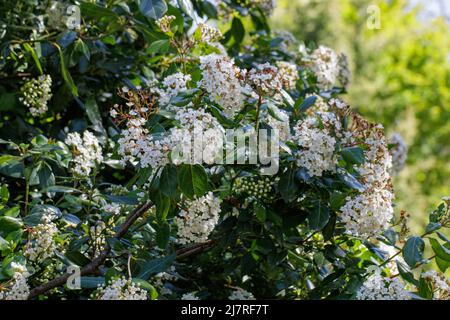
(209, 34)
(164, 23)
(41, 244)
(121, 289)
(36, 93)
(19, 290)
(378, 287)
(325, 65)
(440, 284)
(113, 208)
(198, 220)
(241, 294)
(189, 296)
(173, 85)
(289, 74)
(87, 152)
(367, 214)
(265, 79)
(222, 81)
(314, 136)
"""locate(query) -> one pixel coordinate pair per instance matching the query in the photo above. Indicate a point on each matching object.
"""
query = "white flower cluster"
(121, 289)
(137, 144)
(328, 67)
(241, 294)
(266, 5)
(19, 289)
(440, 284)
(198, 129)
(288, 73)
(367, 214)
(325, 65)
(189, 296)
(265, 79)
(370, 213)
(41, 244)
(87, 152)
(378, 287)
(314, 135)
(36, 93)
(113, 208)
(399, 152)
(173, 85)
(198, 220)
(200, 133)
(222, 79)
(164, 23)
(208, 33)
(160, 279)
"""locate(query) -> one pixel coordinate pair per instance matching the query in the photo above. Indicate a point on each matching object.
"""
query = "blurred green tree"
(401, 78)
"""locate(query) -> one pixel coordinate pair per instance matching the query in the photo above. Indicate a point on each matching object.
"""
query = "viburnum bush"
(105, 107)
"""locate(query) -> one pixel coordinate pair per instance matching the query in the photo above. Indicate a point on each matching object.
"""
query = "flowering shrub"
(119, 180)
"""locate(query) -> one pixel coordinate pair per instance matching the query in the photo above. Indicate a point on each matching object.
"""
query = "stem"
(258, 109)
(27, 192)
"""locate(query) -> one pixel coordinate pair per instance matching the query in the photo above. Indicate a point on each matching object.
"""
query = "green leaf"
(91, 282)
(287, 186)
(9, 224)
(61, 189)
(122, 199)
(147, 287)
(237, 30)
(305, 104)
(425, 289)
(96, 11)
(46, 176)
(413, 251)
(155, 266)
(4, 194)
(93, 114)
(405, 273)
(11, 166)
(31, 50)
(441, 251)
(4, 245)
(168, 180)
(65, 73)
(319, 216)
(353, 155)
(432, 226)
(154, 9)
(163, 235)
(162, 204)
(260, 213)
(159, 46)
(442, 264)
(192, 180)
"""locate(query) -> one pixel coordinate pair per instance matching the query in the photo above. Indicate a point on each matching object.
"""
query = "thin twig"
(98, 261)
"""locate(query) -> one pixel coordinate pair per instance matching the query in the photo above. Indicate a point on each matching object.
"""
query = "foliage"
(93, 180)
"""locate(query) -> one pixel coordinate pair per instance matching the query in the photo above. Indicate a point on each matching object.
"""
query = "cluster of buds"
(139, 103)
(164, 23)
(36, 93)
(254, 187)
